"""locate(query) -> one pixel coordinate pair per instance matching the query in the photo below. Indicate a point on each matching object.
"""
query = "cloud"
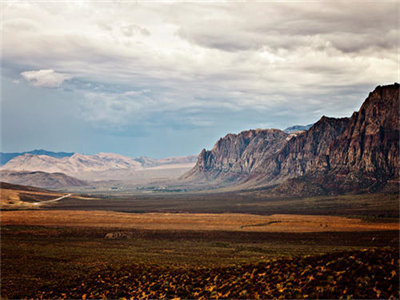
(45, 78)
(196, 58)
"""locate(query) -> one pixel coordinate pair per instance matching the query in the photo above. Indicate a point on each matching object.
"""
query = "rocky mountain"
(295, 128)
(234, 157)
(5, 157)
(298, 154)
(41, 179)
(77, 165)
(370, 143)
(347, 154)
(365, 156)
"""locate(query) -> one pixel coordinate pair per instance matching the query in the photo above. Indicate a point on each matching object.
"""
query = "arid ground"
(187, 221)
(174, 246)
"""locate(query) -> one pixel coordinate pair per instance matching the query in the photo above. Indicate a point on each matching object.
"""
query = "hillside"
(17, 187)
(365, 156)
(14, 197)
(334, 155)
(234, 157)
(40, 179)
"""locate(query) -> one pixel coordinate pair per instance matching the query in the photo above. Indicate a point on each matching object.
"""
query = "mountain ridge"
(343, 154)
(7, 156)
(74, 165)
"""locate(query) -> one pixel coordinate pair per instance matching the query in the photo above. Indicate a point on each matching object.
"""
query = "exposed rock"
(236, 155)
(299, 154)
(334, 155)
(365, 157)
(370, 143)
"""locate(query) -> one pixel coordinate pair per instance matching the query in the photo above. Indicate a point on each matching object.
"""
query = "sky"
(166, 78)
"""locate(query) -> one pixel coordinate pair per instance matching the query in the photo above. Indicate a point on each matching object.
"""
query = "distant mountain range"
(360, 153)
(296, 128)
(73, 165)
(78, 169)
(5, 157)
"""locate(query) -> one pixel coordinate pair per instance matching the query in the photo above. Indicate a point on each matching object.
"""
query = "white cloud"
(260, 55)
(45, 78)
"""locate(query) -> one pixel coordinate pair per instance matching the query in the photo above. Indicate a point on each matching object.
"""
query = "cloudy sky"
(166, 78)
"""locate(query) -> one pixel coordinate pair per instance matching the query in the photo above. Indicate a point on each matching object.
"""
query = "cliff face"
(299, 154)
(370, 143)
(334, 155)
(236, 155)
(366, 155)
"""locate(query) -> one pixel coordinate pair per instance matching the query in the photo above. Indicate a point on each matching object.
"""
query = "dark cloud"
(143, 73)
(290, 25)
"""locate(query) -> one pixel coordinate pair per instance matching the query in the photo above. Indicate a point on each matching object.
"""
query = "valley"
(199, 150)
(308, 212)
(92, 254)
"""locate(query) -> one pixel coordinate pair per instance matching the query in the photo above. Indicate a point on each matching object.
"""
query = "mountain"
(365, 156)
(40, 179)
(234, 157)
(5, 157)
(346, 154)
(298, 154)
(105, 167)
(295, 128)
(77, 165)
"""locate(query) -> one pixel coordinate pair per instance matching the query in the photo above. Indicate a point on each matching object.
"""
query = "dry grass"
(13, 199)
(26, 199)
(184, 221)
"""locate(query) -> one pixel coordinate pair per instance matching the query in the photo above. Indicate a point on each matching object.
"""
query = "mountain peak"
(340, 153)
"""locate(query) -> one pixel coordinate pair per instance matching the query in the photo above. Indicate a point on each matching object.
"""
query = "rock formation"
(334, 155)
(235, 156)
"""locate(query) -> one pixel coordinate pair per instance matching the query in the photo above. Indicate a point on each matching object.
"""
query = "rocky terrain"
(235, 156)
(347, 154)
(366, 155)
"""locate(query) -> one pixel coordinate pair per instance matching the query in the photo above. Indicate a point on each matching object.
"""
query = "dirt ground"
(186, 221)
(15, 199)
